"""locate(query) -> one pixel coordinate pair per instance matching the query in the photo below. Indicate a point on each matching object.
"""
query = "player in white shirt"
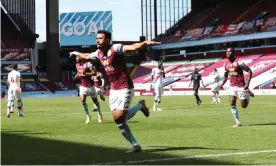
(215, 87)
(157, 76)
(14, 91)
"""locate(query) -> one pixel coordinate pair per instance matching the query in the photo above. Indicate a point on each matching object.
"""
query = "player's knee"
(214, 94)
(119, 116)
(119, 119)
(244, 104)
(20, 104)
(10, 103)
(233, 103)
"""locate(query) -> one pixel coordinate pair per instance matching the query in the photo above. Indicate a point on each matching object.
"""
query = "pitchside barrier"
(73, 93)
(202, 92)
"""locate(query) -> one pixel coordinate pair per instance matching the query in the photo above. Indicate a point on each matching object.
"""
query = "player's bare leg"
(10, 107)
(245, 99)
(198, 101)
(98, 109)
(214, 97)
(234, 111)
(85, 108)
(120, 119)
(218, 96)
(121, 116)
(157, 101)
(19, 107)
(244, 103)
(101, 94)
(102, 97)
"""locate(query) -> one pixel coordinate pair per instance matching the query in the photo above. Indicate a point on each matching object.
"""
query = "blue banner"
(80, 28)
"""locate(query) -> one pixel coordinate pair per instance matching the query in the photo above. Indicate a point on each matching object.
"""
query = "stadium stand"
(12, 37)
(226, 18)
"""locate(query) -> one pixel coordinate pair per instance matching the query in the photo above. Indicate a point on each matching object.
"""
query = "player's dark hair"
(106, 33)
(232, 48)
(14, 66)
(160, 64)
(215, 69)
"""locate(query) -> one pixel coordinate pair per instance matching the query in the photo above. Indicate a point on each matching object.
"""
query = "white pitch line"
(189, 157)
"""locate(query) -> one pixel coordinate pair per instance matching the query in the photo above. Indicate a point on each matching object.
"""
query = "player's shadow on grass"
(20, 149)
(112, 122)
(263, 124)
(23, 132)
(170, 148)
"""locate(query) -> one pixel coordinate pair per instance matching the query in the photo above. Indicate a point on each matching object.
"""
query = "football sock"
(20, 105)
(125, 131)
(214, 99)
(132, 111)
(235, 114)
(218, 98)
(97, 105)
(197, 98)
(85, 108)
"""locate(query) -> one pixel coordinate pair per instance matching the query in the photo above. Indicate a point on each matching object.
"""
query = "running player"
(238, 87)
(111, 57)
(86, 88)
(99, 83)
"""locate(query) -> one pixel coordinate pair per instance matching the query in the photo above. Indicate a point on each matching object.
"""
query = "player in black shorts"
(196, 79)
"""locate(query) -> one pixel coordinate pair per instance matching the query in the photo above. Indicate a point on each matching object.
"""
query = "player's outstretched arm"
(190, 83)
(137, 46)
(81, 55)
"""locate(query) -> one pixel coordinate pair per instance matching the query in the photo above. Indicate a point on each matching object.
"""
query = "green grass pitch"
(53, 131)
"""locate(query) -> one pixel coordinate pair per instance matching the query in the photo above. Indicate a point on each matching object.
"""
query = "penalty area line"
(189, 157)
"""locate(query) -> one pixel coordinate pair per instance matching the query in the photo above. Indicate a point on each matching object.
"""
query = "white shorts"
(158, 89)
(215, 87)
(120, 99)
(238, 92)
(89, 91)
(99, 91)
(14, 95)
